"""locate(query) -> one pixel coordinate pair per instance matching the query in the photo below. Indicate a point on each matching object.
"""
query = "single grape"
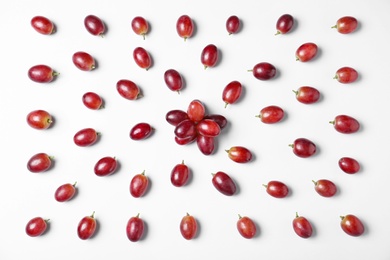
(232, 92)
(83, 61)
(65, 192)
(206, 144)
(246, 227)
(94, 25)
(306, 52)
(87, 227)
(349, 165)
(276, 189)
(142, 58)
(173, 80)
(138, 185)
(39, 162)
(141, 131)
(233, 24)
(271, 114)
(185, 129)
(352, 225)
(345, 124)
(196, 110)
(346, 24)
(209, 56)
(307, 95)
(208, 127)
(128, 89)
(346, 75)
(185, 26)
(176, 116)
(105, 166)
(42, 25)
(135, 228)
(42, 73)
(36, 226)
(140, 26)
(284, 24)
(303, 147)
(224, 183)
(86, 137)
(92, 100)
(263, 71)
(302, 226)
(188, 227)
(325, 188)
(180, 174)
(39, 119)
(239, 154)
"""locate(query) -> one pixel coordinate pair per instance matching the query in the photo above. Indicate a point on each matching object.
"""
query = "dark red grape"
(180, 174)
(306, 52)
(307, 95)
(303, 147)
(39, 162)
(140, 26)
(36, 226)
(105, 166)
(209, 56)
(188, 227)
(346, 75)
(232, 92)
(39, 119)
(345, 124)
(65, 192)
(276, 189)
(325, 188)
(271, 114)
(176, 116)
(186, 140)
(346, 24)
(83, 61)
(87, 227)
(352, 225)
(264, 71)
(128, 89)
(302, 226)
(284, 24)
(233, 24)
(246, 227)
(142, 58)
(141, 131)
(349, 165)
(219, 119)
(42, 25)
(185, 129)
(173, 80)
(94, 25)
(185, 26)
(239, 154)
(85, 137)
(42, 73)
(135, 228)
(138, 185)
(224, 183)
(206, 144)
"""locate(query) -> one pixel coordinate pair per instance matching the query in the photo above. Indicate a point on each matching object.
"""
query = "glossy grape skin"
(219, 119)
(105, 166)
(173, 80)
(196, 110)
(346, 75)
(284, 24)
(39, 119)
(36, 226)
(276, 189)
(42, 73)
(39, 162)
(232, 24)
(349, 165)
(184, 27)
(345, 124)
(302, 226)
(239, 154)
(264, 71)
(185, 129)
(141, 131)
(140, 26)
(128, 89)
(232, 92)
(352, 225)
(83, 61)
(42, 25)
(186, 140)
(188, 227)
(92, 100)
(85, 137)
(346, 24)
(86, 227)
(307, 95)
(208, 127)
(142, 58)
(65, 192)
(209, 56)
(94, 25)
(306, 52)
(180, 174)
(325, 188)
(303, 148)
(138, 185)
(246, 227)
(206, 144)
(176, 116)
(135, 228)
(224, 183)
(271, 114)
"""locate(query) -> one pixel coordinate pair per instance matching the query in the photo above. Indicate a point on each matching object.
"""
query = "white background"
(25, 195)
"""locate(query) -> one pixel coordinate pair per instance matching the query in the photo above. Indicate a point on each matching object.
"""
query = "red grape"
(209, 56)
(306, 52)
(36, 226)
(276, 189)
(302, 226)
(185, 129)
(196, 110)
(94, 25)
(232, 24)
(39, 119)
(284, 24)
(128, 89)
(264, 71)
(346, 24)
(224, 183)
(39, 162)
(176, 116)
(141, 131)
(188, 227)
(184, 26)
(307, 95)
(346, 75)
(83, 61)
(232, 92)
(173, 80)
(303, 147)
(65, 192)
(271, 114)
(140, 26)
(105, 166)
(246, 227)
(138, 185)
(142, 58)
(135, 228)
(85, 137)
(239, 154)
(352, 225)
(325, 188)
(180, 174)
(92, 101)
(219, 119)
(208, 127)
(87, 227)
(42, 73)
(42, 25)
(349, 165)
(206, 144)
(185, 140)
(345, 124)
